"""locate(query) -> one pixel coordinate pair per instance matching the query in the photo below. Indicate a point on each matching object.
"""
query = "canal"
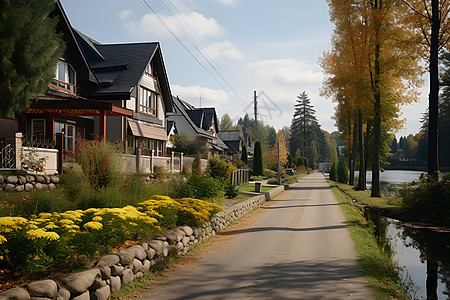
(421, 253)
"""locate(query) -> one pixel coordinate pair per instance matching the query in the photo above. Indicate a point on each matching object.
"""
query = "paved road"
(296, 247)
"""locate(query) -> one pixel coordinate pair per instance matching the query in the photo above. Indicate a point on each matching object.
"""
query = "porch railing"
(7, 155)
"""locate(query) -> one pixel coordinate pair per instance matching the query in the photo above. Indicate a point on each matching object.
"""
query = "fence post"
(18, 146)
(181, 162)
(152, 153)
(171, 163)
(138, 160)
(60, 147)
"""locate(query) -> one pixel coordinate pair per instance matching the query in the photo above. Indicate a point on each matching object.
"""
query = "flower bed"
(49, 238)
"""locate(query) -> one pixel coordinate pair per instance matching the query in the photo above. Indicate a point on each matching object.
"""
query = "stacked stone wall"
(27, 183)
(117, 269)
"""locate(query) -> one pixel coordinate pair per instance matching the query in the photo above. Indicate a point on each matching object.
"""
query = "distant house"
(118, 92)
(197, 124)
(234, 139)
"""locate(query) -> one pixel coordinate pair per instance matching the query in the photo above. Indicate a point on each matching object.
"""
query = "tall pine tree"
(29, 50)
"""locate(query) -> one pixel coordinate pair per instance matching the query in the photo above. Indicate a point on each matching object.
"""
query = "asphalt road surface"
(296, 246)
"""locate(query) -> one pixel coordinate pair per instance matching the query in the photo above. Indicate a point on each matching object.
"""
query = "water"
(418, 252)
(391, 180)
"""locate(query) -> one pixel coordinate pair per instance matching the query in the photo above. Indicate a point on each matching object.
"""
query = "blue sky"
(268, 46)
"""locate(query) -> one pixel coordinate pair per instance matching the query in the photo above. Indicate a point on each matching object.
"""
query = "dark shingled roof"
(196, 116)
(119, 67)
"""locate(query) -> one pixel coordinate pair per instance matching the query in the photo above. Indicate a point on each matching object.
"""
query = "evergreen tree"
(226, 123)
(257, 160)
(29, 51)
(394, 145)
(302, 122)
(342, 171)
(244, 156)
(333, 171)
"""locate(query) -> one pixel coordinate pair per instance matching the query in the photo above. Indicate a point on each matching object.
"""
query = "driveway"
(296, 246)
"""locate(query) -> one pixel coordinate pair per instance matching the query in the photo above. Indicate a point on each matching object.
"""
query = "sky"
(271, 47)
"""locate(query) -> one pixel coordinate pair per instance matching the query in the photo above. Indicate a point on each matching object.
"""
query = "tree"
(257, 160)
(226, 123)
(333, 171)
(29, 51)
(394, 145)
(342, 171)
(182, 143)
(429, 22)
(283, 152)
(302, 122)
(244, 156)
(369, 70)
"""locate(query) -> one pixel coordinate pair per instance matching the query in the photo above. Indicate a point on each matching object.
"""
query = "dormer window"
(65, 77)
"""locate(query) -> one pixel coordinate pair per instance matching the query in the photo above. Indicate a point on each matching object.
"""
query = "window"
(148, 101)
(69, 134)
(65, 76)
(38, 127)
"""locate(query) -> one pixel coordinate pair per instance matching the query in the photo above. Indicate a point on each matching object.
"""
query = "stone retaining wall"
(120, 268)
(28, 183)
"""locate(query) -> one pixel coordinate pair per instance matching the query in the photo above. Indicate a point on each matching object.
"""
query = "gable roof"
(196, 117)
(116, 69)
(231, 135)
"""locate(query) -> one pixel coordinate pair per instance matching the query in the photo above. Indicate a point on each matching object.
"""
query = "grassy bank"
(376, 265)
(363, 197)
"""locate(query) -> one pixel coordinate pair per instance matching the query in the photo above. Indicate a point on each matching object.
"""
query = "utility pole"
(255, 102)
(200, 100)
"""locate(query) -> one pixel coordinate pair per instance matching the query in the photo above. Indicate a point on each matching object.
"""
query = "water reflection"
(422, 255)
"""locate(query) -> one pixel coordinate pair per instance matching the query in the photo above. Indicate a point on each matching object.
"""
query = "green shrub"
(427, 199)
(231, 191)
(159, 172)
(100, 161)
(333, 171)
(220, 169)
(342, 171)
(203, 187)
(197, 166)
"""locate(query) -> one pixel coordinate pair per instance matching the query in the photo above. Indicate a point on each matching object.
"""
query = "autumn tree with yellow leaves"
(281, 140)
(369, 74)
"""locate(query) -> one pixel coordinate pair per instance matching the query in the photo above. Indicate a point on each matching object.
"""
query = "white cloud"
(126, 14)
(150, 25)
(287, 71)
(224, 49)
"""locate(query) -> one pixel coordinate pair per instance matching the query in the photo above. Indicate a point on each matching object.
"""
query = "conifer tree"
(257, 160)
(29, 51)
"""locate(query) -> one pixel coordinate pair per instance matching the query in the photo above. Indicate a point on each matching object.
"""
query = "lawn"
(250, 187)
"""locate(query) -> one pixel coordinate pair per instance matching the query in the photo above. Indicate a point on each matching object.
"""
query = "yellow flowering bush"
(49, 238)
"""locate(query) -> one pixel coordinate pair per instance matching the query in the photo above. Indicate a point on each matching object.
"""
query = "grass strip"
(376, 264)
(250, 187)
(363, 197)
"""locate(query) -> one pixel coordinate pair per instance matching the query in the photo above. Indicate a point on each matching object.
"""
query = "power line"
(171, 15)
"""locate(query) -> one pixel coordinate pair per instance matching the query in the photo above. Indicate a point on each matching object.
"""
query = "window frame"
(147, 109)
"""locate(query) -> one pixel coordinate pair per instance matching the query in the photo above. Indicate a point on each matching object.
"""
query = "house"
(234, 139)
(197, 124)
(118, 92)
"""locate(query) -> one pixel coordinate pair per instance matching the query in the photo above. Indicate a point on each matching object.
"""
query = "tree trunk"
(351, 179)
(433, 166)
(376, 191)
(432, 279)
(362, 168)
(353, 166)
